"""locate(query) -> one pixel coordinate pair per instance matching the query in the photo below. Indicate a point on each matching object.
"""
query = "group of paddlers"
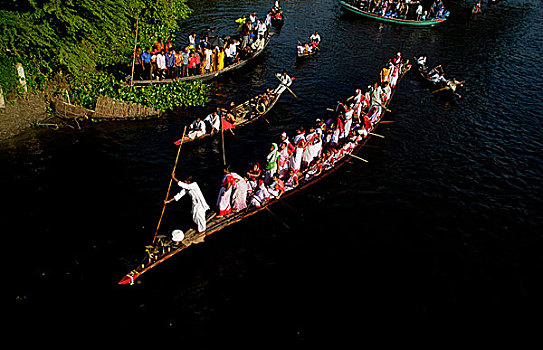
(204, 54)
(310, 152)
(437, 75)
(401, 9)
(276, 12)
(228, 117)
(309, 47)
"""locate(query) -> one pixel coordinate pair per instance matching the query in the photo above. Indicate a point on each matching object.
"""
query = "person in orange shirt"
(168, 45)
(159, 45)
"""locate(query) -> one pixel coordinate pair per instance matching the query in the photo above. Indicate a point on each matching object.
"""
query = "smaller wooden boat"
(277, 17)
(476, 8)
(354, 9)
(449, 89)
(306, 53)
(247, 112)
(278, 22)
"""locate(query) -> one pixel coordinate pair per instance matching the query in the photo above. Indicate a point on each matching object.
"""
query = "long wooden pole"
(134, 55)
(222, 142)
(170, 185)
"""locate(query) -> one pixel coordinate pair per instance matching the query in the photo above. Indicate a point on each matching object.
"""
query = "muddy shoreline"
(19, 115)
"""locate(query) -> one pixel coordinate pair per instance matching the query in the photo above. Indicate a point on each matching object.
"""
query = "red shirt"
(193, 61)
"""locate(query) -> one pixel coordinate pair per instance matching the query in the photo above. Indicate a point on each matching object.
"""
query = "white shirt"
(286, 80)
(262, 28)
(195, 193)
(214, 120)
(199, 126)
(161, 61)
(231, 50)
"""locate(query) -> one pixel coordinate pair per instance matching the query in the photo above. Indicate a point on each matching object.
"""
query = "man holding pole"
(199, 204)
(286, 81)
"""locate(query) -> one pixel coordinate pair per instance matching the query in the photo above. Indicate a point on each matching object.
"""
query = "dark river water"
(441, 230)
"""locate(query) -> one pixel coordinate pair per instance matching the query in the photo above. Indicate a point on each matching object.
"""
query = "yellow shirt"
(385, 74)
(220, 60)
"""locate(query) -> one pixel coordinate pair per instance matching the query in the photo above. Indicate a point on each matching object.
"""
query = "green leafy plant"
(66, 42)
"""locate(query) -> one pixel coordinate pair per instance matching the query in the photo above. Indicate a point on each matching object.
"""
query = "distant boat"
(210, 75)
(448, 90)
(278, 22)
(357, 10)
(245, 115)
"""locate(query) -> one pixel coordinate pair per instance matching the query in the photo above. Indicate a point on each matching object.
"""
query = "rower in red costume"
(225, 194)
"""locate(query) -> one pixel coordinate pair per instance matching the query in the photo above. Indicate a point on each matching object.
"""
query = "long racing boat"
(164, 248)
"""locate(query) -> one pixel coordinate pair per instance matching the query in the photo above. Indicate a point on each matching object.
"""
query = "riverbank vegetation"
(85, 47)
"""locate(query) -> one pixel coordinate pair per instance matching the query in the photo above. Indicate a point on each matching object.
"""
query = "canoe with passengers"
(243, 114)
(432, 77)
(211, 75)
(351, 8)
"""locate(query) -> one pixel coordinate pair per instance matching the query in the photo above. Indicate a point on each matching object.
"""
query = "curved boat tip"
(128, 279)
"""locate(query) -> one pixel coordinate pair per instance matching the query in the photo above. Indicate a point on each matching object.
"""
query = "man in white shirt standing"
(315, 38)
(199, 204)
(285, 81)
(161, 64)
(215, 122)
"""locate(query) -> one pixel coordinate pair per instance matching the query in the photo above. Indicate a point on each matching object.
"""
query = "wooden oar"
(289, 206)
(170, 185)
(386, 109)
(293, 94)
(278, 218)
(443, 88)
(374, 134)
(357, 157)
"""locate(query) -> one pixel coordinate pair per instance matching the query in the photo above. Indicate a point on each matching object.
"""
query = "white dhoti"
(260, 196)
(295, 161)
(347, 127)
(307, 155)
(195, 134)
(199, 204)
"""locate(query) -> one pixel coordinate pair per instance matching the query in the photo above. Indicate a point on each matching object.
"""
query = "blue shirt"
(170, 59)
(146, 57)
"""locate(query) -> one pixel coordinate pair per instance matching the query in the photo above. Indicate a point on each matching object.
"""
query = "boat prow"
(128, 279)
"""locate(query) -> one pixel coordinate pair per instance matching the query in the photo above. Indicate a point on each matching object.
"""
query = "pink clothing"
(239, 196)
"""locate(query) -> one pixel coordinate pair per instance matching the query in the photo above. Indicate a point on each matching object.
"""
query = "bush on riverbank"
(85, 47)
(160, 96)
